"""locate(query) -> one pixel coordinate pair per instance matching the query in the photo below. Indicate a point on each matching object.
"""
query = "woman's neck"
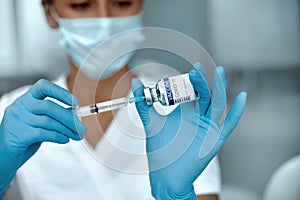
(93, 91)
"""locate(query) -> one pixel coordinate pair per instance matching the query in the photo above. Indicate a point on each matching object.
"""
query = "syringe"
(105, 106)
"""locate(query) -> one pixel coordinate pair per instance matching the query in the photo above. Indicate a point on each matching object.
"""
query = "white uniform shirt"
(115, 169)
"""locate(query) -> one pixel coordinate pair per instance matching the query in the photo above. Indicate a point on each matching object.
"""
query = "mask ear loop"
(54, 14)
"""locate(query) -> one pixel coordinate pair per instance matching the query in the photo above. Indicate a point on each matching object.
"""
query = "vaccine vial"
(171, 91)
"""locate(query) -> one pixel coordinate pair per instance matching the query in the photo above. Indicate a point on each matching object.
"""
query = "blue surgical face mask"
(100, 47)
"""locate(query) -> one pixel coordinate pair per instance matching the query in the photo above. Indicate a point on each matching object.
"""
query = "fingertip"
(240, 103)
(137, 87)
(80, 127)
(242, 96)
(134, 80)
(75, 100)
(135, 83)
(198, 66)
(200, 84)
(80, 133)
(83, 129)
(65, 141)
(220, 68)
(61, 140)
(194, 77)
(200, 69)
(222, 73)
(80, 137)
(193, 73)
(234, 114)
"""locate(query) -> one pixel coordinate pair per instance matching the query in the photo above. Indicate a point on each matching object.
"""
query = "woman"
(69, 171)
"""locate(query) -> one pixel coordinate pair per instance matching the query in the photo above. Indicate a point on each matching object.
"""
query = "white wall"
(28, 45)
(254, 34)
(39, 46)
(31, 47)
(7, 37)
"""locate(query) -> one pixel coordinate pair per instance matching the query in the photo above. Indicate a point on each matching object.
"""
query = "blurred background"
(257, 42)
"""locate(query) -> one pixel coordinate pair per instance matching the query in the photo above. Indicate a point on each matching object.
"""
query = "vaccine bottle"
(171, 91)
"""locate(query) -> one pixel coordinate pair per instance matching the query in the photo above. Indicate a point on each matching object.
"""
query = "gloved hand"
(180, 146)
(31, 120)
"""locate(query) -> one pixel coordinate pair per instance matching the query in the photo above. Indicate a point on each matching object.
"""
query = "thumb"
(142, 108)
(201, 86)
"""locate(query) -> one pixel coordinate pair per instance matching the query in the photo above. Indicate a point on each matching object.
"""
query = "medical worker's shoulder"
(8, 98)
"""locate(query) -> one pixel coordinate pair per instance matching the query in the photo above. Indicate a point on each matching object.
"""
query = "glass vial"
(171, 91)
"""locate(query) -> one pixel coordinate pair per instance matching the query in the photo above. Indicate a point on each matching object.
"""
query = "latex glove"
(31, 120)
(179, 146)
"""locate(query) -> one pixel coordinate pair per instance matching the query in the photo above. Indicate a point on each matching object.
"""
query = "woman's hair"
(48, 1)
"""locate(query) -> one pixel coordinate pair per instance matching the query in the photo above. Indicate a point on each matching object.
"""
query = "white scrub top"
(115, 169)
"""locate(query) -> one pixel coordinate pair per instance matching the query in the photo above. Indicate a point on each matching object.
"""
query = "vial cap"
(148, 96)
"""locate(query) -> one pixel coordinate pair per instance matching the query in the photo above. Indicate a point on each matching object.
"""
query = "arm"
(5, 193)
(180, 146)
(31, 120)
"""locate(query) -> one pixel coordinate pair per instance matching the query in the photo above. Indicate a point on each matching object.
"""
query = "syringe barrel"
(112, 104)
(100, 107)
(82, 111)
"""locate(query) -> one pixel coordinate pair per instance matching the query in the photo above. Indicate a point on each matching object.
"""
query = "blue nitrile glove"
(31, 120)
(180, 146)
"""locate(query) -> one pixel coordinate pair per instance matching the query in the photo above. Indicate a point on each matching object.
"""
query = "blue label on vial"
(169, 91)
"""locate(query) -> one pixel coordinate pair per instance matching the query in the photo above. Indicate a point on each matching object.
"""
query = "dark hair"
(48, 1)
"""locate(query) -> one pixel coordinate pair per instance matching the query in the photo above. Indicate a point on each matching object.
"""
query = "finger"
(47, 123)
(44, 88)
(56, 112)
(218, 100)
(142, 107)
(200, 68)
(201, 87)
(42, 135)
(30, 151)
(32, 136)
(234, 115)
(152, 121)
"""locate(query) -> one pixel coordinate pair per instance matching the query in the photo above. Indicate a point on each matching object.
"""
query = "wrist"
(3, 194)
(187, 196)
(5, 182)
(164, 193)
